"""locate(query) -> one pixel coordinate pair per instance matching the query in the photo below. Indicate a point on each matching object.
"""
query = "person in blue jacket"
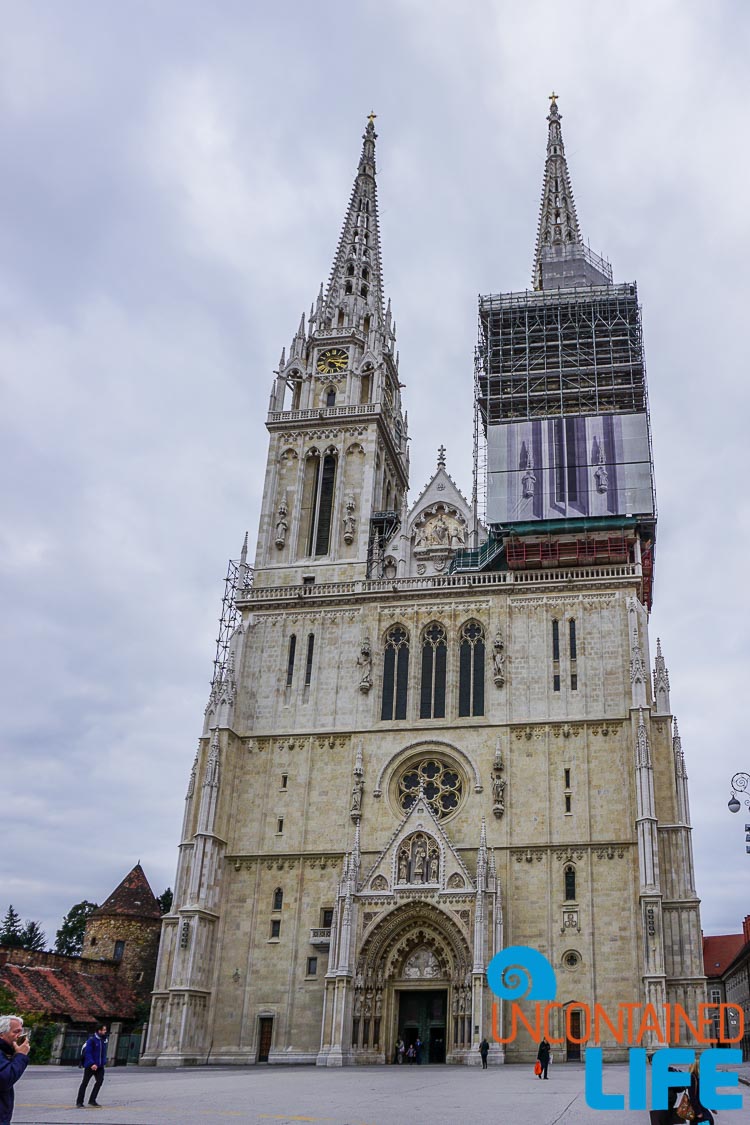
(94, 1062)
(14, 1049)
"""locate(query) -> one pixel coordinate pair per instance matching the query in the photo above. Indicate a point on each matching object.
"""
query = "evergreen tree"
(11, 931)
(33, 937)
(69, 938)
(165, 901)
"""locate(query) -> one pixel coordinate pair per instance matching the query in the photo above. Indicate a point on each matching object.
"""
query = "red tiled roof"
(720, 951)
(67, 992)
(133, 897)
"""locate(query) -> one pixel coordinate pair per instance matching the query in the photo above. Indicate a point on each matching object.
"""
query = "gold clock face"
(332, 360)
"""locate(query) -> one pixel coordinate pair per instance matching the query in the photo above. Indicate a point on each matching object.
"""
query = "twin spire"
(560, 256)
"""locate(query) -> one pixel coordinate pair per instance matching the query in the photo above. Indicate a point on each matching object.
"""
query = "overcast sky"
(174, 176)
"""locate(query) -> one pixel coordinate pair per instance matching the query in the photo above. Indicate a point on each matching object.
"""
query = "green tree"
(69, 938)
(12, 930)
(165, 901)
(33, 937)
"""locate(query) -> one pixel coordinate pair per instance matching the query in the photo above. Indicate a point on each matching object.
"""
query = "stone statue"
(420, 537)
(281, 525)
(357, 796)
(439, 531)
(364, 663)
(458, 538)
(403, 868)
(601, 476)
(349, 521)
(528, 481)
(419, 858)
(433, 876)
(498, 659)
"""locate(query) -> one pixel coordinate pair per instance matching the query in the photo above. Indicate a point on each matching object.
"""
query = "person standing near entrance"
(14, 1050)
(418, 1049)
(94, 1062)
(400, 1050)
(484, 1050)
(543, 1054)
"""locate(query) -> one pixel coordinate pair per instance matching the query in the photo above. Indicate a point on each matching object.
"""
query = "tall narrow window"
(570, 884)
(573, 655)
(331, 396)
(309, 659)
(364, 387)
(471, 670)
(278, 898)
(395, 674)
(290, 660)
(434, 650)
(555, 655)
(322, 523)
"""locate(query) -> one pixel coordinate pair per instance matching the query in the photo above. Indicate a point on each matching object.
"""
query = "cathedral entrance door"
(264, 1038)
(421, 1013)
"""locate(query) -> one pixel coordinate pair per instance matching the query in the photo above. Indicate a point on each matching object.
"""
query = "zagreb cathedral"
(437, 727)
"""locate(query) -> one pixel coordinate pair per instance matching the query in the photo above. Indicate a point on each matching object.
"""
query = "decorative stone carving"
(380, 883)
(456, 881)
(364, 664)
(498, 783)
(349, 520)
(419, 860)
(281, 525)
(498, 659)
(355, 812)
(422, 965)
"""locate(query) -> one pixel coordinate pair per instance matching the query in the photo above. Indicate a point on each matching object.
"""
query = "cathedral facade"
(433, 731)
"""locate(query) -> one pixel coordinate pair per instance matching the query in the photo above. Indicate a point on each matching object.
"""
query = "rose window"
(441, 785)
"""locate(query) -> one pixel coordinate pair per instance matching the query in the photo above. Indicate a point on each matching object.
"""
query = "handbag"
(683, 1109)
(537, 1068)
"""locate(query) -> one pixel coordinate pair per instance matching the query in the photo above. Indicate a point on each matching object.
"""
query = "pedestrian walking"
(484, 1050)
(694, 1094)
(418, 1049)
(544, 1055)
(14, 1050)
(94, 1063)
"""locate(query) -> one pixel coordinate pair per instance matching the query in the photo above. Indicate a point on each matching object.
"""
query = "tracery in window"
(395, 673)
(441, 783)
(434, 652)
(471, 670)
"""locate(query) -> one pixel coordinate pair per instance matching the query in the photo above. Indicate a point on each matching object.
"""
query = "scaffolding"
(560, 352)
(239, 579)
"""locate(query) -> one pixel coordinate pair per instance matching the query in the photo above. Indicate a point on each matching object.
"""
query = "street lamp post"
(740, 786)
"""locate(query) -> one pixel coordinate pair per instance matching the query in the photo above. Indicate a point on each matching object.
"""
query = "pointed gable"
(133, 897)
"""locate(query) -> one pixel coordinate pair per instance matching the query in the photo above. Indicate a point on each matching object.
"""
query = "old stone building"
(432, 732)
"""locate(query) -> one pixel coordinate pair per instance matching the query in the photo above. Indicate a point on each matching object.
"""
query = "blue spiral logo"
(521, 973)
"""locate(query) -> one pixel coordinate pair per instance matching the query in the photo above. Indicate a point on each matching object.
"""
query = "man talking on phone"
(14, 1049)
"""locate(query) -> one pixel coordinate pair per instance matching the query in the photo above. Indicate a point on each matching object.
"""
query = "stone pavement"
(391, 1095)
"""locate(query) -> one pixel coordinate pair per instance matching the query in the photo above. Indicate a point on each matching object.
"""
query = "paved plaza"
(439, 1095)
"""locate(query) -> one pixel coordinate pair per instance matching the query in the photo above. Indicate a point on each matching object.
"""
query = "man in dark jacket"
(14, 1048)
(94, 1062)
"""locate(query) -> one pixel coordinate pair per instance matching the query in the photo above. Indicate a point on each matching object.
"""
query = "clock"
(332, 360)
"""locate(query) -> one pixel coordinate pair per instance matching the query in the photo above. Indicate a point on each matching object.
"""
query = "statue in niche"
(420, 538)
(281, 525)
(364, 663)
(458, 538)
(357, 789)
(419, 859)
(498, 659)
(439, 532)
(357, 1004)
(433, 871)
(349, 520)
(498, 796)
(378, 1005)
(403, 868)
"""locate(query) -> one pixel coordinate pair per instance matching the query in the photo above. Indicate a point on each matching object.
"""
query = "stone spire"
(560, 257)
(355, 285)
(661, 682)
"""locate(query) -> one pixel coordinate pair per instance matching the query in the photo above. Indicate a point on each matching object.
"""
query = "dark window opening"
(395, 674)
(572, 632)
(284, 780)
(119, 950)
(568, 800)
(309, 660)
(567, 779)
(312, 966)
(326, 917)
(471, 671)
(280, 825)
(555, 640)
(278, 898)
(325, 510)
(434, 652)
(570, 884)
(331, 396)
(275, 927)
(290, 660)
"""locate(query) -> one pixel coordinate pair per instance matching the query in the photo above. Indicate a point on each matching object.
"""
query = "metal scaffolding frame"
(560, 352)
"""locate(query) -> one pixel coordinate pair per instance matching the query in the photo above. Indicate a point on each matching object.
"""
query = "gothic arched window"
(471, 670)
(395, 673)
(331, 396)
(570, 883)
(278, 898)
(434, 651)
(317, 502)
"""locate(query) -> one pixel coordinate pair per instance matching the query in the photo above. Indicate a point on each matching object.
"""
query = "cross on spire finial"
(371, 117)
(441, 457)
(553, 98)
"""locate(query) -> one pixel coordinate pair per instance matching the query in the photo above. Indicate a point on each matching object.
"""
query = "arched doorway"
(413, 981)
